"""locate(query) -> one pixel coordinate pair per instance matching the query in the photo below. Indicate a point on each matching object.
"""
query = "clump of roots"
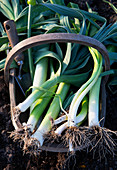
(98, 140)
(51, 137)
(28, 144)
(101, 141)
(21, 135)
(77, 137)
(31, 146)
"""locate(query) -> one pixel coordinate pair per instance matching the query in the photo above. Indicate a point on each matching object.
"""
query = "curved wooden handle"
(52, 38)
(11, 31)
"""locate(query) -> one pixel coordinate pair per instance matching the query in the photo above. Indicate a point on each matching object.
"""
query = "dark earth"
(11, 155)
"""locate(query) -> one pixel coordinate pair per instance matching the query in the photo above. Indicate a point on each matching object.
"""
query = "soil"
(11, 155)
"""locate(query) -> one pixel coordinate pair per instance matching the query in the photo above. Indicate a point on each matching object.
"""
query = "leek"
(39, 108)
(85, 88)
(40, 105)
(53, 112)
(100, 138)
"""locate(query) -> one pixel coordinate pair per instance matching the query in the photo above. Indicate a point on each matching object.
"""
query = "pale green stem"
(53, 112)
(93, 115)
(39, 76)
(37, 93)
(84, 90)
(79, 119)
(40, 107)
